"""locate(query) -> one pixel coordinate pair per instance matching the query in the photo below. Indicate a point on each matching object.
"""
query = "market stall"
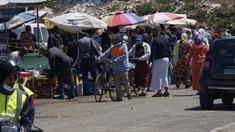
(26, 77)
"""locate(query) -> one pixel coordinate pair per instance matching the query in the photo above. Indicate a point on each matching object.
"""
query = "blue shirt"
(119, 53)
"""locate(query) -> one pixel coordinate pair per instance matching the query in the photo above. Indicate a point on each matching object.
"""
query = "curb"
(218, 129)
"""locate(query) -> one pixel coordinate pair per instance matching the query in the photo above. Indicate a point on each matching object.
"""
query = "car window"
(35, 31)
(44, 34)
(224, 48)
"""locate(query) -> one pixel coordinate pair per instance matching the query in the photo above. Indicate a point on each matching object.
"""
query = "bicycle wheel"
(112, 89)
(98, 88)
(131, 82)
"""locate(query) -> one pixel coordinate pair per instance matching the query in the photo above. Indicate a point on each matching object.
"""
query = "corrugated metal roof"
(21, 3)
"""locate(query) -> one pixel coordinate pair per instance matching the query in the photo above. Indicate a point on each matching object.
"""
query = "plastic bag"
(176, 53)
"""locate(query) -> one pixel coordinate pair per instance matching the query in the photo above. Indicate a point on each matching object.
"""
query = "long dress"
(141, 71)
(181, 70)
(197, 53)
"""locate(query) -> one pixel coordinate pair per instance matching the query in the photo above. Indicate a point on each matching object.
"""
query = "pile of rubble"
(97, 11)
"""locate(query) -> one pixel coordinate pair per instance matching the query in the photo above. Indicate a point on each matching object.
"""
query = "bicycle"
(131, 77)
(105, 82)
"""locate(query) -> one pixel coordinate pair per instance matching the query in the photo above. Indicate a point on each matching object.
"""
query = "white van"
(43, 33)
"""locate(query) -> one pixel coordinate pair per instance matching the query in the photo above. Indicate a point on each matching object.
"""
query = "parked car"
(217, 79)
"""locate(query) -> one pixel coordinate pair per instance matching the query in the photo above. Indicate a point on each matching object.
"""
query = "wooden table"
(30, 81)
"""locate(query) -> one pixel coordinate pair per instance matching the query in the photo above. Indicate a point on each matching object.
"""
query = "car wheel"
(206, 100)
(227, 100)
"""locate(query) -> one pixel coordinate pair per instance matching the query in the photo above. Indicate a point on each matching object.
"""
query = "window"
(35, 31)
(224, 48)
(44, 34)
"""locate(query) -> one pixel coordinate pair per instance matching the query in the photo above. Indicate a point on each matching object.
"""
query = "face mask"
(7, 87)
(138, 42)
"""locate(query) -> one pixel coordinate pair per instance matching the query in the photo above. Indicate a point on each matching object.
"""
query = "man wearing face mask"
(15, 103)
(141, 51)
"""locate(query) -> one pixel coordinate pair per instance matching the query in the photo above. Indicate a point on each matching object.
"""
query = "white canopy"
(74, 22)
(182, 21)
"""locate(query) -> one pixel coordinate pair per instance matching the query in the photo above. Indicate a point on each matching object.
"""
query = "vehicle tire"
(206, 100)
(98, 93)
(112, 89)
(227, 100)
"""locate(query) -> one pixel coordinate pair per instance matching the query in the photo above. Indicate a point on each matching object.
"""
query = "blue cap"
(122, 31)
(139, 37)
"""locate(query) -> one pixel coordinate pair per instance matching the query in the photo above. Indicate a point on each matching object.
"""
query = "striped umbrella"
(163, 17)
(120, 18)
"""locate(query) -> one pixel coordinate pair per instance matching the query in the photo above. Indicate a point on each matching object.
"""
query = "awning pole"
(38, 26)
(5, 26)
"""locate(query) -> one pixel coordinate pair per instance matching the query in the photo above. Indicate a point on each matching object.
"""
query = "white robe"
(160, 74)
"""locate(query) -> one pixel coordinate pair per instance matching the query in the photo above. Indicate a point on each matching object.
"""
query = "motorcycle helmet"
(13, 63)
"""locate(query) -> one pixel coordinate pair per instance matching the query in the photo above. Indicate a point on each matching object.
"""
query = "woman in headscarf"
(181, 71)
(197, 53)
(202, 33)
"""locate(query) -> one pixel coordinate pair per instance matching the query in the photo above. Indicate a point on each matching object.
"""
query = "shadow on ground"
(216, 107)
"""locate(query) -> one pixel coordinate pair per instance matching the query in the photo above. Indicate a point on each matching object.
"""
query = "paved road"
(178, 113)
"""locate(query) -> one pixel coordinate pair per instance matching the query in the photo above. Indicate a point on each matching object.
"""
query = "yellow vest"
(9, 103)
(27, 90)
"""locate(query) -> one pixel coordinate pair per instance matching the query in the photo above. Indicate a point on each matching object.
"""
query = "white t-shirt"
(15, 56)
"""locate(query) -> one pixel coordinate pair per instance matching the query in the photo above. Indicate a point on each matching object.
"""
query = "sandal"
(166, 94)
(157, 95)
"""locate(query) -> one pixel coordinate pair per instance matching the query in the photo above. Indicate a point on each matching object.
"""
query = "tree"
(145, 9)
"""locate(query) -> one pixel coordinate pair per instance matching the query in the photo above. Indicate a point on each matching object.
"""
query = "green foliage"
(166, 8)
(200, 15)
(105, 1)
(189, 7)
(145, 9)
(114, 8)
(164, 1)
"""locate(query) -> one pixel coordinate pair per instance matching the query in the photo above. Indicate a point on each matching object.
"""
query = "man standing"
(147, 35)
(54, 38)
(71, 47)
(160, 52)
(16, 54)
(120, 65)
(61, 65)
(105, 40)
(141, 51)
(27, 38)
(88, 50)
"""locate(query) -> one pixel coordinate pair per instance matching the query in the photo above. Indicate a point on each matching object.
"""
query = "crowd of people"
(172, 55)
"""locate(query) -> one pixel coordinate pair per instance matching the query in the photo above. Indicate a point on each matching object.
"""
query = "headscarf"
(202, 32)
(184, 37)
(198, 39)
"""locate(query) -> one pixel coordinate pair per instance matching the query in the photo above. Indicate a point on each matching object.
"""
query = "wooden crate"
(46, 92)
